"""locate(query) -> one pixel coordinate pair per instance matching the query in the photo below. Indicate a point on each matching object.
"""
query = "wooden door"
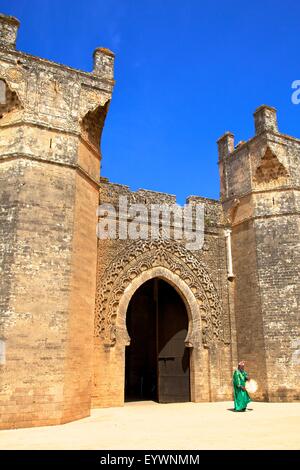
(173, 356)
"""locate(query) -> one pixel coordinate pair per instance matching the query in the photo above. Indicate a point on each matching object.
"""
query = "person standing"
(241, 397)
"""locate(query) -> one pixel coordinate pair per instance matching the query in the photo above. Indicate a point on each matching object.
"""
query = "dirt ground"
(183, 426)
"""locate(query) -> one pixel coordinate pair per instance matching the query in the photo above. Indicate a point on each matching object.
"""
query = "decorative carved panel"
(142, 255)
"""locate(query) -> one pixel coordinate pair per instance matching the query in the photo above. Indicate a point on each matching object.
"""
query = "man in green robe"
(241, 397)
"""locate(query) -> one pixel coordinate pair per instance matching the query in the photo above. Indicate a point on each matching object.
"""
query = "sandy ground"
(183, 426)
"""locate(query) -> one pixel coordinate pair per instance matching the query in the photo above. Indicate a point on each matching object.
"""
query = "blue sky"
(186, 72)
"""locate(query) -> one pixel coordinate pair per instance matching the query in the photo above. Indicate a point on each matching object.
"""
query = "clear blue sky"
(186, 71)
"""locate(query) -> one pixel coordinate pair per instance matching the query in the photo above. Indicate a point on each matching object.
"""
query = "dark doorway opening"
(157, 363)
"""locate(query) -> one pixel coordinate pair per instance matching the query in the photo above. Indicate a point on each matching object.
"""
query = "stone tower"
(260, 182)
(51, 119)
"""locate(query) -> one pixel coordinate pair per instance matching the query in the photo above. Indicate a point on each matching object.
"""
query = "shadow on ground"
(234, 411)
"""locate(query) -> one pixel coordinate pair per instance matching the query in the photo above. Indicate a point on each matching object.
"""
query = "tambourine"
(251, 386)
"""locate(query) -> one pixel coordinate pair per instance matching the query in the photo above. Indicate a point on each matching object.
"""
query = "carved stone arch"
(92, 124)
(191, 304)
(141, 256)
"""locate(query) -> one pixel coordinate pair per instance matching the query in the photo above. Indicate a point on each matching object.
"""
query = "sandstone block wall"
(260, 194)
(212, 355)
(50, 129)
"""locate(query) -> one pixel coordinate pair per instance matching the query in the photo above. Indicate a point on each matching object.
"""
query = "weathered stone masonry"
(201, 275)
(64, 297)
(260, 194)
(49, 172)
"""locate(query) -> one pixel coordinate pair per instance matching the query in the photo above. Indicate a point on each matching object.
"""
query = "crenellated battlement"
(265, 162)
(103, 57)
(57, 113)
(9, 26)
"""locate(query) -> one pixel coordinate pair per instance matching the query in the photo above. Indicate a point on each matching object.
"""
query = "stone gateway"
(88, 322)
